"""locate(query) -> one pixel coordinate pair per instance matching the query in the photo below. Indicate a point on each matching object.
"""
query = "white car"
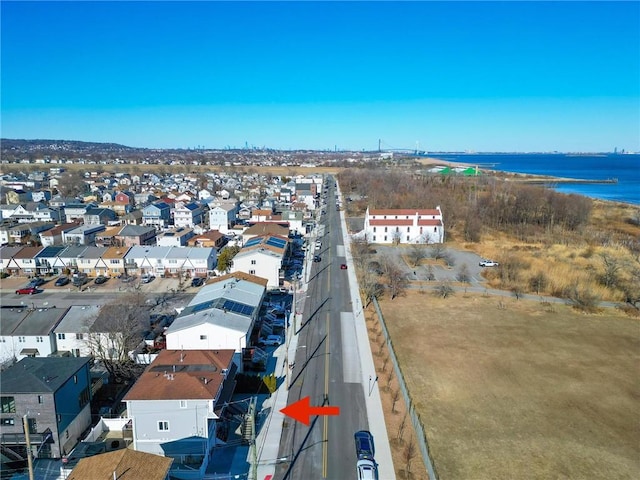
(367, 470)
(488, 263)
(271, 340)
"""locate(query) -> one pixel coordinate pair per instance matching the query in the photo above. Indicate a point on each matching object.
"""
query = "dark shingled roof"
(40, 374)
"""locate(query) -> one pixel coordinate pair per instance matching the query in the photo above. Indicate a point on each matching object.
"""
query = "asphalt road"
(323, 369)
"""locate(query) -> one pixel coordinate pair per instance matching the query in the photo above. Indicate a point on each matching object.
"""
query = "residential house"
(112, 262)
(123, 464)
(264, 228)
(48, 260)
(41, 195)
(187, 214)
(54, 395)
(212, 238)
(90, 259)
(99, 216)
(296, 222)
(27, 331)
(68, 258)
(132, 235)
(120, 209)
(263, 256)
(53, 236)
(125, 196)
(132, 218)
(28, 233)
(7, 265)
(76, 211)
(17, 196)
(403, 226)
(176, 406)
(82, 235)
(24, 262)
(108, 237)
(222, 315)
(178, 237)
(72, 332)
(157, 214)
(222, 216)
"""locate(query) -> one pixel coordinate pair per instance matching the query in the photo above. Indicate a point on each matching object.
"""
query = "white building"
(403, 226)
(262, 256)
(176, 403)
(221, 315)
(72, 333)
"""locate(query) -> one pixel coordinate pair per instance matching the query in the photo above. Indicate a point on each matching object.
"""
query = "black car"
(317, 258)
(364, 445)
(100, 279)
(197, 281)
(36, 282)
(61, 281)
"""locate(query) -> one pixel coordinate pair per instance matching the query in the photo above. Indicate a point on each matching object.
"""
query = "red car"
(343, 266)
(27, 291)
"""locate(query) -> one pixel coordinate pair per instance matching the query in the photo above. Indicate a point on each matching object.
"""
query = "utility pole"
(25, 424)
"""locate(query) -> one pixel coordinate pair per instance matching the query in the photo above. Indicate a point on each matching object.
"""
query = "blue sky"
(446, 76)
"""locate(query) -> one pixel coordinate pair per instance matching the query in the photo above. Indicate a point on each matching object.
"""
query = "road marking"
(351, 369)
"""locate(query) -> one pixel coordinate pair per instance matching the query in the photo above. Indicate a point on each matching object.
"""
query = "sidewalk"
(375, 413)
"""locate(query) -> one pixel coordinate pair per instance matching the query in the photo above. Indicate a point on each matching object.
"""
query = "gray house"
(54, 395)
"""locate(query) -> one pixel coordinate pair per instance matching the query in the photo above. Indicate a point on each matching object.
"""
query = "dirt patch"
(517, 389)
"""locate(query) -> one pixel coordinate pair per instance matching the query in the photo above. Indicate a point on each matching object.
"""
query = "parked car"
(271, 340)
(343, 266)
(61, 281)
(364, 445)
(488, 263)
(100, 279)
(197, 281)
(36, 282)
(146, 277)
(27, 291)
(367, 469)
(126, 278)
(317, 258)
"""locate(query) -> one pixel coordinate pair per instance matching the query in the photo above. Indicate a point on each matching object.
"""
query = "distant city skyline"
(433, 76)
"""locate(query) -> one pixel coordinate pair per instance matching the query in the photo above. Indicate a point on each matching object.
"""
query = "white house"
(403, 226)
(176, 404)
(221, 315)
(187, 214)
(177, 237)
(222, 215)
(262, 256)
(82, 235)
(72, 332)
(28, 330)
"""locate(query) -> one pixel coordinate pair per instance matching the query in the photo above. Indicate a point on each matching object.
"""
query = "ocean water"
(625, 168)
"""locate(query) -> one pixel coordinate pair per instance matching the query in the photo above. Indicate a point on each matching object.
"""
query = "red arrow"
(302, 410)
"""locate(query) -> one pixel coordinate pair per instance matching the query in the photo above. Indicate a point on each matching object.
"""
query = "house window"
(59, 418)
(203, 337)
(252, 272)
(183, 404)
(163, 426)
(21, 340)
(114, 261)
(374, 229)
(40, 399)
(435, 229)
(61, 336)
(7, 405)
(253, 262)
(385, 238)
(79, 336)
(75, 379)
(407, 238)
(385, 229)
(408, 229)
(84, 397)
(39, 340)
(374, 238)
(7, 421)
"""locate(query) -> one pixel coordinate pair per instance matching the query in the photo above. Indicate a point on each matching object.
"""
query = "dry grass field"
(512, 389)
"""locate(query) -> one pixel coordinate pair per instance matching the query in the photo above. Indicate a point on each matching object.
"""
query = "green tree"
(225, 259)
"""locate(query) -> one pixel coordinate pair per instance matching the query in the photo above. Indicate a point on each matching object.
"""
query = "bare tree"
(408, 455)
(417, 252)
(609, 277)
(397, 282)
(371, 287)
(116, 332)
(71, 184)
(402, 425)
(463, 274)
(395, 396)
(444, 289)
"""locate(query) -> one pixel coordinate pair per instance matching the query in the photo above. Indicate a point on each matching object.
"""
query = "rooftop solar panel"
(276, 242)
(253, 241)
